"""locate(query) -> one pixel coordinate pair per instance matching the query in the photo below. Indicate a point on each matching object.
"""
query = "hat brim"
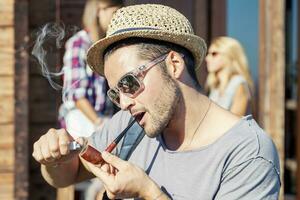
(193, 43)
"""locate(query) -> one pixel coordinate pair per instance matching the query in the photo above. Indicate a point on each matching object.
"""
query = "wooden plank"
(6, 109)
(44, 92)
(7, 62)
(7, 153)
(7, 37)
(7, 101)
(6, 148)
(41, 12)
(6, 13)
(8, 1)
(6, 135)
(271, 74)
(43, 112)
(6, 86)
(7, 186)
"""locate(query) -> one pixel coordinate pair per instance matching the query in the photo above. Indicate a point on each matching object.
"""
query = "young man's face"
(155, 105)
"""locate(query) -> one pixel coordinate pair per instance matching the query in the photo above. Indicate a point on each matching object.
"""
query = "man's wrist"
(153, 192)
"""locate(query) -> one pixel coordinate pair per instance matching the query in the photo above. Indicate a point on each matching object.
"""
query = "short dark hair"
(155, 48)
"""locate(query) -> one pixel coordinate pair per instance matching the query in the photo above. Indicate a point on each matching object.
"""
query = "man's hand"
(122, 179)
(52, 148)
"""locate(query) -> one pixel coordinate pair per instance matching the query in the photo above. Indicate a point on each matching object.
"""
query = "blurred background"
(267, 29)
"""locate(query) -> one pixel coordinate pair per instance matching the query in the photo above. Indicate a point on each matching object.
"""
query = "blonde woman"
(229, 82)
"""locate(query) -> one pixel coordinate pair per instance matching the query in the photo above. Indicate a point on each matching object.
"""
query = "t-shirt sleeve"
(255, 178)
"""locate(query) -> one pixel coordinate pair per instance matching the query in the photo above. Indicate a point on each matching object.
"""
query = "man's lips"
(139, 116)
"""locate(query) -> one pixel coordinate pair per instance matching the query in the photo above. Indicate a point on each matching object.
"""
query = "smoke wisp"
(48, 34)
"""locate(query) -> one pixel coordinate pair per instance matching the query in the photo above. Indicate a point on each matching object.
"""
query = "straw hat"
(151, 21)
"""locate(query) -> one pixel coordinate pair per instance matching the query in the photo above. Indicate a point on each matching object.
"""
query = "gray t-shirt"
(241, 164)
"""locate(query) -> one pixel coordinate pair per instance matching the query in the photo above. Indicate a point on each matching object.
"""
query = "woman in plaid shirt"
(84, 92)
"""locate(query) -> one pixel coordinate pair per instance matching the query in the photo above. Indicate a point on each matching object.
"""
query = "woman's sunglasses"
(131, 83)
(213, 53)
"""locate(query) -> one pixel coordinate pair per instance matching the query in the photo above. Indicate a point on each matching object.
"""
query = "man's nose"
(125, 101)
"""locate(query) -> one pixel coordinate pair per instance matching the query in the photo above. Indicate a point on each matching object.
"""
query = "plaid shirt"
(79, 80)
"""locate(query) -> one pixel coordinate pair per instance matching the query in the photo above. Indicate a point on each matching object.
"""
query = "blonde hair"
(90, 19)
(236, 63)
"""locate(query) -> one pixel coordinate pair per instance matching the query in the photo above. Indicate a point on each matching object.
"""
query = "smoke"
(49, 39)
(43, 45)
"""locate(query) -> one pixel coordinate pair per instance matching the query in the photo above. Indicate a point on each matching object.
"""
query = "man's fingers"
(103, 174)
(53, 146)
(113, 160)
(110, 195)
(37, 154)
(63, 142)
(44, 149)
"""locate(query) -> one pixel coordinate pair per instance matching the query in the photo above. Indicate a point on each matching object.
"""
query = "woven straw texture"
(151, 21)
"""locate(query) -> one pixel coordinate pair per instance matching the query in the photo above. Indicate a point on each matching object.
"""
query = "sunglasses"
(131, 83)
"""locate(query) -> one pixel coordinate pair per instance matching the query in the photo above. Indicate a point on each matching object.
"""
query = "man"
(194, 148)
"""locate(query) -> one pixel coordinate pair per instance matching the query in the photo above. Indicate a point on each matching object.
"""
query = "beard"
(162, 111)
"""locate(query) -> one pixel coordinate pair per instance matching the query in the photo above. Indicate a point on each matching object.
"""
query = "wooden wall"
(43, 100)
(7, 100)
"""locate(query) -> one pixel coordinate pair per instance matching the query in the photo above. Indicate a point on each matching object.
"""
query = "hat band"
(133, 29)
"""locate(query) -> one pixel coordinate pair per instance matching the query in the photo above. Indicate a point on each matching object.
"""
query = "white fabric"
(78, 125)
(225, 100)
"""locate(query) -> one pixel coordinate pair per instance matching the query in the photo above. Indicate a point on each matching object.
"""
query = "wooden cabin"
(29, 105)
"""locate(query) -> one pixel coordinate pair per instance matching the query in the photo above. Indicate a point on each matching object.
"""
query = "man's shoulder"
(247, 141)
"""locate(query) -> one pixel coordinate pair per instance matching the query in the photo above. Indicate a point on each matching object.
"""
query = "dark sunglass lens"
(114, 96)
(129, 84)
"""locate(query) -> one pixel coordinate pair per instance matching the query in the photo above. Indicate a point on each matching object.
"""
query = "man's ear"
(175, 64)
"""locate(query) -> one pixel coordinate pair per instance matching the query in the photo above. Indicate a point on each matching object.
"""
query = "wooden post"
(21, 100)
(218, 18)
(272, 73)
(298, 112)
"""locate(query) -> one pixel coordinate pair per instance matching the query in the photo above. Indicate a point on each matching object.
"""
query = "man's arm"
(59, 166)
